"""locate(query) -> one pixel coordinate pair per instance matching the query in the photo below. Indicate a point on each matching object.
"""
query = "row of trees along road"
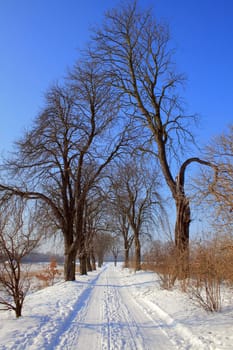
(124, 88)
(66, 151)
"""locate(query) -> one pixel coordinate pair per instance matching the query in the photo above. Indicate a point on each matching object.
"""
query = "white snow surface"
(114, 308)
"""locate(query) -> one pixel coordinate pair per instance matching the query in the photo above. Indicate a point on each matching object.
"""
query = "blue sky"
(40, 40)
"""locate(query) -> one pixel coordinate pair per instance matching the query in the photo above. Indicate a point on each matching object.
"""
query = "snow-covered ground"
(115, 309)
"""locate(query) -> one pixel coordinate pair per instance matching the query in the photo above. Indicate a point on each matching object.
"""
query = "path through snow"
(110, 309)
(109, 318)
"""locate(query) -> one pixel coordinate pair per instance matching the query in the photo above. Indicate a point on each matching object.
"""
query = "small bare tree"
(115, 248)
(220, 153)
(103, 243)
(17, 239)
(215, 198)
(119, 225)
(135, 197)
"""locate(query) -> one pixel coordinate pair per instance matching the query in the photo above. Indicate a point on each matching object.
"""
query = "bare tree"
(93, 223)
(218, 194)
(220, 152)
(115, 248)
(103, 243)
(18, 237)
(135, 49)
(122, 228)
(135, 197)
(64, 153)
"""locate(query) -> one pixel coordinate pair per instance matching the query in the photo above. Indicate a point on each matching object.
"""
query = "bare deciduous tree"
(115, 248)
(122, 228)
(64, 153)
(218, 194)
(220, 152)
(18, 237)
(135, 49)
(135, 198)
(93, 223)
(103, 244)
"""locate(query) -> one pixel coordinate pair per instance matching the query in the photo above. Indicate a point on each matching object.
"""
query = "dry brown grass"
(210, 265)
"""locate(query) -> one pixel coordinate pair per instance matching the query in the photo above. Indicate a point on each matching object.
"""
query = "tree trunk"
(100, 260)
(89, 267)
(126, 262)
(93, 261)
(83, 263)
(18, 309)
(137, 253)
(183, 220)
(69, 265)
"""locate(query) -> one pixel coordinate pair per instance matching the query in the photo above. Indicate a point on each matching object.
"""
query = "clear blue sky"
(39, 40)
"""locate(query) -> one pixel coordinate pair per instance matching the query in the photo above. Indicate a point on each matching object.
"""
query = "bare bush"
(49, 275)
(162, 259)
(206, 273)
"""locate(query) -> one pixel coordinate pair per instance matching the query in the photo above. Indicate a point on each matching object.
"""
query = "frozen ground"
(115, 309)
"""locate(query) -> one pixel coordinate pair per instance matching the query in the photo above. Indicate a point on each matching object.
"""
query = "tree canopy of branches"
(135, 49)
(69, 145)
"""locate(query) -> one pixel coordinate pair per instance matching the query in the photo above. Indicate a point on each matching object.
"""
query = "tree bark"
(137, 253)
(18, 309)
(89, 267)
(100, 260)
(93, 261)
(126, 262)
(69, 265)
(183, 220)
(83, 264)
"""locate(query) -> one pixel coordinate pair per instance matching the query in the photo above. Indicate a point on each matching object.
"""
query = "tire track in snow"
(122, 331)
(51, 334)
(128, 326)
(107, 316)
(182, 335)
(68, 336)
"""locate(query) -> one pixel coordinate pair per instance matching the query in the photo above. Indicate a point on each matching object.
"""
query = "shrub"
(205, 270)
(49, 274)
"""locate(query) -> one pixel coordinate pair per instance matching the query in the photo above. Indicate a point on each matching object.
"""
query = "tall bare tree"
(57, 162)
(136, 52)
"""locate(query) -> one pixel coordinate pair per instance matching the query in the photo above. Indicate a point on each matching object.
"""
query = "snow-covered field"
(115, 309)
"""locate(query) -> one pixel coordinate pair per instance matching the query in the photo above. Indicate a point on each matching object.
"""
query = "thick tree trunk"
(93, 261)
(183, 217)
(183, 220)
(126, 262)
(89, 267)
(83, 263)
(137, 253)
(18, 309)
(69, 265)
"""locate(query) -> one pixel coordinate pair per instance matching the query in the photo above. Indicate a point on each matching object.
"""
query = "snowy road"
(108, 317)
(110, 309)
